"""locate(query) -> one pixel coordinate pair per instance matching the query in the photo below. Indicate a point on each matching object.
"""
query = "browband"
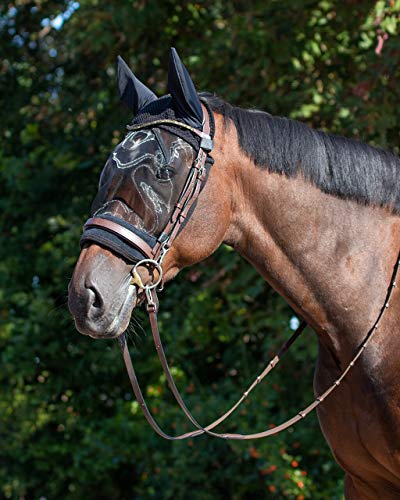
(206, 140)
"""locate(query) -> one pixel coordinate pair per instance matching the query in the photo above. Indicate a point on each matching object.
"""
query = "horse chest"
(358, 422)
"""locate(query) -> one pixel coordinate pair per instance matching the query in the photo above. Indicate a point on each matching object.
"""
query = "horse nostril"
(95, 298)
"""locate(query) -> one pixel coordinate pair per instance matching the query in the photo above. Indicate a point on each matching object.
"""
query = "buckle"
(207, 144)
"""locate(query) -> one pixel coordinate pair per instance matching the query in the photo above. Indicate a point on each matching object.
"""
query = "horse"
(317, 215)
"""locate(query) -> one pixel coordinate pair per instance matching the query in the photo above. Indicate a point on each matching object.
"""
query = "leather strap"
(201, 430)
(189, 194)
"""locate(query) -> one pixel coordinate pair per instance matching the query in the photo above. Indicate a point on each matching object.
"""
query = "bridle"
(103, 229)
(145, 250)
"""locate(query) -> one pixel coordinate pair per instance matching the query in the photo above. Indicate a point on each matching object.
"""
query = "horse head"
(140, 194)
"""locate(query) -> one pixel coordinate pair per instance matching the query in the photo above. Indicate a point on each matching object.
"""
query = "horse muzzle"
(101, 296)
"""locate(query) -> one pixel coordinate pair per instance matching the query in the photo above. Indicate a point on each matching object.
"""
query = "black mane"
(339, 166)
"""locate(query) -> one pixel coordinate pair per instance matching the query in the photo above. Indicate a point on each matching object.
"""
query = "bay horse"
(317, 215)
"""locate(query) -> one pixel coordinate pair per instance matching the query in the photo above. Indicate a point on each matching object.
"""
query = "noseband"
(139, 247)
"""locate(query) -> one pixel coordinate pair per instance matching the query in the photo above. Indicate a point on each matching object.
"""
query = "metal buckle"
(151, 305)
(207, 144)
(164, 251)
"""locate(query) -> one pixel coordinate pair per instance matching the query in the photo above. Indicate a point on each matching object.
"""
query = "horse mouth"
(106, 327)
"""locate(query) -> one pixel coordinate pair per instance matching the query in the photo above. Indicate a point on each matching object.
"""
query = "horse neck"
(330, 258)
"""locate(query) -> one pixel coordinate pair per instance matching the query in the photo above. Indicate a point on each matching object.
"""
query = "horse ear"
(184, 96)
(132, 92)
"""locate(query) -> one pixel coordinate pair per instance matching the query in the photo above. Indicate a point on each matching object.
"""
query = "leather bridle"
(145, 246)
(145, 250)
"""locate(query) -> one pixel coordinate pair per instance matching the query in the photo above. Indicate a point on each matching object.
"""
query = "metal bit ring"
(135, 274)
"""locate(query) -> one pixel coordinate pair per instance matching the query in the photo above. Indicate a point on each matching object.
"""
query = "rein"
(152, 309)
(148, 251)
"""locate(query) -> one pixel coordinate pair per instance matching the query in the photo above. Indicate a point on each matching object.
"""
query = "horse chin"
(109, 325)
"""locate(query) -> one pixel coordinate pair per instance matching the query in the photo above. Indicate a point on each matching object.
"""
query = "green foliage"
(69, 425)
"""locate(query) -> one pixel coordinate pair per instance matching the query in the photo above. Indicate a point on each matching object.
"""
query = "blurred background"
(69, 425)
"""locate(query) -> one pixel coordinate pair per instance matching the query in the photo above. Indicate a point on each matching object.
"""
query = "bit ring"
(137, 280)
